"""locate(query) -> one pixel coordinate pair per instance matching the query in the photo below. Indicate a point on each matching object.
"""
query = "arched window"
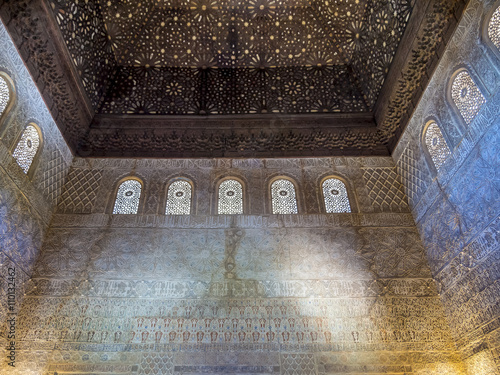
(179, 198)
(27, 147)
(335, 195)
(494, 28)
(127, 197)
(436, 145)
(230, 198)
(4, 95)
(466, 96)
(283, 197)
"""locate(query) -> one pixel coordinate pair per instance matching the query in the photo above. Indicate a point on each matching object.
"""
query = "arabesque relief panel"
(457, 207)
(310, 293)
(26, 200)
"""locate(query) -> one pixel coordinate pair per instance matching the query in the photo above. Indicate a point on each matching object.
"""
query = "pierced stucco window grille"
(27, 148)
(335, 195)
(436, 145)
(4, 95)
(230, 198)
(466, 96)
(127, 198)
(494, 28)
(284, 200)
(179, 198)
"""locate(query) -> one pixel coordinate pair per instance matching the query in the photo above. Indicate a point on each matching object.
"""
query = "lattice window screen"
(466, 96)
(127, 198)
(284, 200)
(436, 145)
(230, 198)
(335, 196)
(4, 95)
(494, 28)
(179, 198)
(27, 148)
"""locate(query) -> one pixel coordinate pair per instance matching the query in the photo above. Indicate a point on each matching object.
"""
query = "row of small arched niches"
(467, 98)
(466, 95)
(230, 196)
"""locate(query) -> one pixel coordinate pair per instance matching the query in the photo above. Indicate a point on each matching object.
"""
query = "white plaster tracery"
(283, 197)
(127, 197)
(179, 198)
(27, 147)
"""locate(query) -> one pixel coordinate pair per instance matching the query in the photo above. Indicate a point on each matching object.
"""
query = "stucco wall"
(312, 293)
(457, 208)
(26, 201)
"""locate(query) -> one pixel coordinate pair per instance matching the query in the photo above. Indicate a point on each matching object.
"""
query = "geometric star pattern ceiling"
(202, 57)
(219, 78)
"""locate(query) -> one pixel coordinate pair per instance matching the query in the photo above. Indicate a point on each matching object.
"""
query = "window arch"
(466, 96)
(5, 95)
(494, 28)
(179, 196)
(230, 200)
(335, 196)
(436, 144)
(283, 197)
(27, 147)
(128, 197)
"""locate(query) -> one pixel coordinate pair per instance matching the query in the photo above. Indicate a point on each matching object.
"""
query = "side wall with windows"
(457, 205)
(306, 293)
(27, 199)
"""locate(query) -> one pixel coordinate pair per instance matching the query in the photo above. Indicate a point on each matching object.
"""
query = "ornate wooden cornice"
(35, 33)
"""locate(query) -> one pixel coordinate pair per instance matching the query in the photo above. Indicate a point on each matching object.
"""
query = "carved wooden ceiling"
(198, 78)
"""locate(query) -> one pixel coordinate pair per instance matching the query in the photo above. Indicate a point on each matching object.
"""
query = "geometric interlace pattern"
(413, 175)
(385, 189)
(53, 176)
(80, 191)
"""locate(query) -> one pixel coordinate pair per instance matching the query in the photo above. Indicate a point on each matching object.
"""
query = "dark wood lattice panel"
(351, 93)
(86, 37)
(187, 91)
(347, 46)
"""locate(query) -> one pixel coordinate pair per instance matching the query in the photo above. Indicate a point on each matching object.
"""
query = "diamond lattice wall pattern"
(80, 191)
(414, 175)
(54, 175)
(385, 189)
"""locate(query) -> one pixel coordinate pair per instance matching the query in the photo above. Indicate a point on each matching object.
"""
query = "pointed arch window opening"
(466, 96)
(230, 200)
(283, 197)
(494, 28)
(128, 197)
(27, 148)
(179, 196)
(436, 145)
(335, 196)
